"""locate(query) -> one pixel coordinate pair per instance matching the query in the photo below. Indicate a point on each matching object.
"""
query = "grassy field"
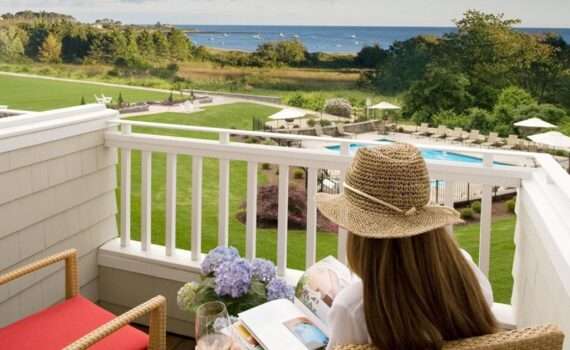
(40, 94)
(282, 81)
(239, 116)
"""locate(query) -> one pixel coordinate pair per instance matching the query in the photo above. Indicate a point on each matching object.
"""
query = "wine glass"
(213, 327)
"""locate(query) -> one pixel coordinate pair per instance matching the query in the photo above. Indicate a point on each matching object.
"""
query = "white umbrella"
(288, 114)
(385, 106)
(536, 123)
(552, 139)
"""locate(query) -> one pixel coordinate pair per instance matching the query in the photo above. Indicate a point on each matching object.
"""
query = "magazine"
(302, 325)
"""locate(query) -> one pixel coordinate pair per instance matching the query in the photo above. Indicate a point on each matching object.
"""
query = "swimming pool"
(432, 154)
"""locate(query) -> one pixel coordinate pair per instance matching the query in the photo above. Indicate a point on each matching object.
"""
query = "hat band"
(408, 212)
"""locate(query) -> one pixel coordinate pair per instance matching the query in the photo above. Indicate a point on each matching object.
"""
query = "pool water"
(432, 154)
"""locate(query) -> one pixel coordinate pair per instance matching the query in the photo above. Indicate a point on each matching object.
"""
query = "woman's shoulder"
(350, 296)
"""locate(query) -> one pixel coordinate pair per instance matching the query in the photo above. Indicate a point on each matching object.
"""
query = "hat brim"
(341, 211)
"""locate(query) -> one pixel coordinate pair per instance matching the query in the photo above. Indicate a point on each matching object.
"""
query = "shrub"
(511, 204)
(311, 122)
(268, 204)
(466, 213)
(265, 166)
(339, 107)
(299, 174)
(476, 207)
(325, 122)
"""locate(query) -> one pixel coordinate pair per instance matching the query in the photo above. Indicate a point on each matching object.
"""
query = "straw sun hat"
(386, 195)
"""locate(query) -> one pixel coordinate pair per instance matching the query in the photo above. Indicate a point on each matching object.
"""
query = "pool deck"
(409, 138)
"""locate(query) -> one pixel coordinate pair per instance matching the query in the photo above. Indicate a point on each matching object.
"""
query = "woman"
(417, 288)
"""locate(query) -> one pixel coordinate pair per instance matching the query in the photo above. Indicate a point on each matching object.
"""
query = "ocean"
(319, 38)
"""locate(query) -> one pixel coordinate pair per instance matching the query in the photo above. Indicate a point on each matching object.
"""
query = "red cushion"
(62, 324)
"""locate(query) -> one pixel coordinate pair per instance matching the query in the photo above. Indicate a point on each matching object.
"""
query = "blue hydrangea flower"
(263, 270)
(233, 278)
(279, 289)
(218, 256)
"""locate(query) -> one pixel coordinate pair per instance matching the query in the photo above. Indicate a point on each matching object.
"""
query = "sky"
(533, 13)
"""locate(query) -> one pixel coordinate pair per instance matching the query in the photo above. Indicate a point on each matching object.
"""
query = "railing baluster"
(342, 233)
(197, 166)
(146, 190)
(125, 191)
(282, 219)
(486, 217)
(251, 220)
(450, 190)
(170, 229)
(311, 249)
(224, 195)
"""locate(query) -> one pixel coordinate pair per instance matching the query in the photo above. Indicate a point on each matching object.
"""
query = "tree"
(11, 44)
(439, 90)
(146, 44)
(480, 119)
(161, 47)
(50, 51)
(36, 36)
(179, 45)
(510, 100)
(370, 56)
(405, 62)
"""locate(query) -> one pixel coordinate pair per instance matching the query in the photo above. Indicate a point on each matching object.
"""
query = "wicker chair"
(99, 328)
(547, 337)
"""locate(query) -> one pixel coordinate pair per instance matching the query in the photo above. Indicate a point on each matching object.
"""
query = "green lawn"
(239, 116)
(502, 252)
(40, 94)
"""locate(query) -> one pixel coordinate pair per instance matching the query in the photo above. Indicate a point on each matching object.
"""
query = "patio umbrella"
(288, 115)
(384, 106)
(553, 139)
(535, 123)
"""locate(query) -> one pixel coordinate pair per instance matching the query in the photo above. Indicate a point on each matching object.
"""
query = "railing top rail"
(325, 139)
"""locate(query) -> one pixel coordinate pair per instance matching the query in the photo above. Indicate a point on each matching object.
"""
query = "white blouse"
(346, 318)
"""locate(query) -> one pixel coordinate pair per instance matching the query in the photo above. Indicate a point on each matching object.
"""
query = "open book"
(302, 325)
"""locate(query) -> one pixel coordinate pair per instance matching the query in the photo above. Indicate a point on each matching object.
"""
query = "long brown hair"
(419, 291)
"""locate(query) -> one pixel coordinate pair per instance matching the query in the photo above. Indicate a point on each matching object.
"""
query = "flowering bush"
(268, 209)
(236, 282)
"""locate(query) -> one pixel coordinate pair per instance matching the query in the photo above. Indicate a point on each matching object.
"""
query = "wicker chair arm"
(71, 276)
(545, 337)
(155, 307)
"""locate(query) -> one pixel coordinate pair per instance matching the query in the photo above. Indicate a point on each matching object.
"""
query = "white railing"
(487, 174)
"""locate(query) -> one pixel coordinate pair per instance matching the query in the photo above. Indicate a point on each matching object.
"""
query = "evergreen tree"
(50, 51)
(132, 48)
(83, 100)
(36, 37)
(120, 100)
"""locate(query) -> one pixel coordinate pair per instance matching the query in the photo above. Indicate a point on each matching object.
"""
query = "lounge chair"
(318, 130)
(548, 337)
(85, 323)
(512, 142)
(493, 140)
(341, 132)
(456, 135)
(441, 132)
(474, 137)
(423, 130)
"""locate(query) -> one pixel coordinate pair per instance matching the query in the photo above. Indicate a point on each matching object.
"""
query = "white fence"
(485, 174)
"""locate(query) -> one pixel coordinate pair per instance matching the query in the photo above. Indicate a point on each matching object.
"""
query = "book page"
(280, 325)
(321, 283)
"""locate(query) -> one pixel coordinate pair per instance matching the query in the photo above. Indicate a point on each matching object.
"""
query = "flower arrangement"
(238, 283)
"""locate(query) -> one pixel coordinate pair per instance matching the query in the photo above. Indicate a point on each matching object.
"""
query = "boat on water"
(353, 36)
(296, 36)
(282, 35)
(257, 36)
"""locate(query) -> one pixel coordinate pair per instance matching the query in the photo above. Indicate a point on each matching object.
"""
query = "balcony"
(66, 180)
